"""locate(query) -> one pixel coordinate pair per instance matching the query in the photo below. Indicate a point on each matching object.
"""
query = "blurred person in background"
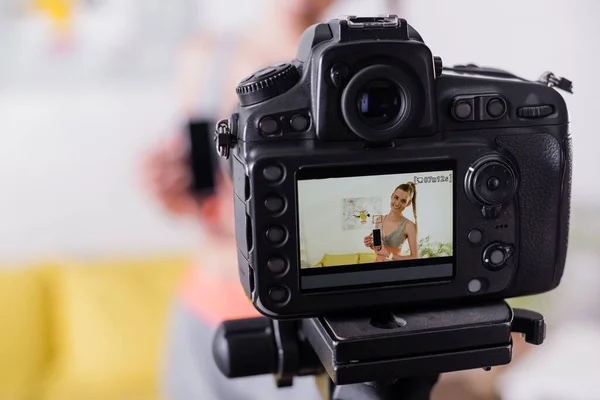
(211, 67)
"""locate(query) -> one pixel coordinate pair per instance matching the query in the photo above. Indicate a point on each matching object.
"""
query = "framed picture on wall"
(358, 212)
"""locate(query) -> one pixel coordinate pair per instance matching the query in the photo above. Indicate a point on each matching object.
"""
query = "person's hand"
(368, 241)
(382, 252)
(167, 175)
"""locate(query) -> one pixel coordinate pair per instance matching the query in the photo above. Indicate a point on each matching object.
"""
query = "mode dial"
(267, 83)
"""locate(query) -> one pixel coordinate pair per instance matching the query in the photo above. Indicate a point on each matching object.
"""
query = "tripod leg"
(417, 388)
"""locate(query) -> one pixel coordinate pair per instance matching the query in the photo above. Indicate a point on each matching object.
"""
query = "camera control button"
(462, 110)
(273, 173)
(540, 111)
(274, 203)
(277, 265)
(276, 235)
(494, 183)
(475, 285)
(496, 108)
(475, 236)
(299, 123)
(279, 294)
(268, 126)
(496, 255)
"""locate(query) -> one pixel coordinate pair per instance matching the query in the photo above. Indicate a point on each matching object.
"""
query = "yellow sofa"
(332, 260)
(85, 330)
(91, 330)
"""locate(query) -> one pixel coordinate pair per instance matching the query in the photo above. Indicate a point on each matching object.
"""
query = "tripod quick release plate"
(426, 342)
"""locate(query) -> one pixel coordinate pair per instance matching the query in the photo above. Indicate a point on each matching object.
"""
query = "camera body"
(363, 111)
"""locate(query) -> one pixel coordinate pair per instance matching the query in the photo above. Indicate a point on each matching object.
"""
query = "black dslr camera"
(367, 175)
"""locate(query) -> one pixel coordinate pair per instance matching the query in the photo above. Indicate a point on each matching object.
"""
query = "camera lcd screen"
(340, 210)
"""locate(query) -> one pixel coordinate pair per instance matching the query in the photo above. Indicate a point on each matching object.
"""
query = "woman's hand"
(167, 177)
(368, 241)
(382, 252)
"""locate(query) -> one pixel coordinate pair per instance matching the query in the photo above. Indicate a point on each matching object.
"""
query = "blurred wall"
(76, 116)
(528, 38)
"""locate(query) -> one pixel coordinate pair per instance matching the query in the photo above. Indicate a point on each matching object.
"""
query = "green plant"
(429, 249)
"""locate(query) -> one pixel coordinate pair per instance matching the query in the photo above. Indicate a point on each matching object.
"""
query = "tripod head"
(393, 354)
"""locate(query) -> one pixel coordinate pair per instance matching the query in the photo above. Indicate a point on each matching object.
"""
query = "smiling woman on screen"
(396, 228)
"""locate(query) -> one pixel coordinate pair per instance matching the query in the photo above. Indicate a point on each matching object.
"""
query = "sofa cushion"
(110, 321)
(366, 258)
(330, 260)
(24, 344)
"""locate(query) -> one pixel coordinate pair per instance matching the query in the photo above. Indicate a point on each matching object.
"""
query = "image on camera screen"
(375, 225)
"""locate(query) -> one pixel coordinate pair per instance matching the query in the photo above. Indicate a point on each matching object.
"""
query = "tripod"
(376, 356)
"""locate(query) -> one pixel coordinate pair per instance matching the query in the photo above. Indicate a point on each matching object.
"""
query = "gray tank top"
(396, 238)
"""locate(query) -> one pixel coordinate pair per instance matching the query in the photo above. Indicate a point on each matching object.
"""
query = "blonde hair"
(411, 189)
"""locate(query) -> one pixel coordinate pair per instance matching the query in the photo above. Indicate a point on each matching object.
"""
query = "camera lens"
(379, 102)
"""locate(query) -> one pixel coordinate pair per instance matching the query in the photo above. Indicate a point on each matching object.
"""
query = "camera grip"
(565, 208)
(540, 196)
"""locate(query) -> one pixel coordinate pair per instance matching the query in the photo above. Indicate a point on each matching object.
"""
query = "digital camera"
(368, 175)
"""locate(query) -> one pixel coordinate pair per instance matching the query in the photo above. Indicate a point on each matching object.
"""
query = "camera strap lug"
(224, 138)
(549, 79)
